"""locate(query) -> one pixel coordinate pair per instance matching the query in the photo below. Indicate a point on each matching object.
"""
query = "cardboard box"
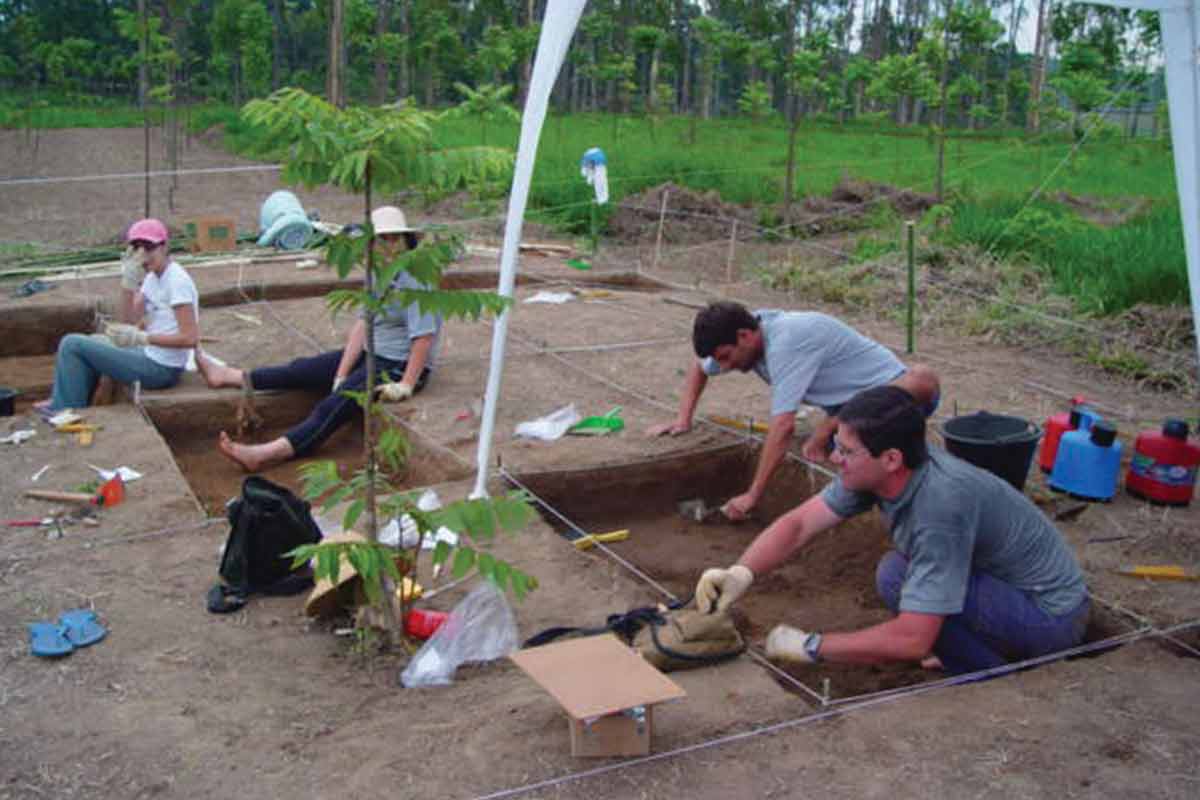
(211, 234)
(607, 690)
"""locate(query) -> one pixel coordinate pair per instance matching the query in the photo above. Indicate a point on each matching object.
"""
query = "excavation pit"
(190, 427)
(830, 585)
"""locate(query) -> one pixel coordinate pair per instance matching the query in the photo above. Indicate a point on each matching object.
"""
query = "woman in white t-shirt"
(168, 305)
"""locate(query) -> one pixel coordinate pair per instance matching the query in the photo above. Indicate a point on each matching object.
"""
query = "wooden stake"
(662, 215)
(732, 249)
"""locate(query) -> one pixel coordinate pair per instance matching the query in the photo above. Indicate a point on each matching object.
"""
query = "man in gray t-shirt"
(805, 357)
(979, 576)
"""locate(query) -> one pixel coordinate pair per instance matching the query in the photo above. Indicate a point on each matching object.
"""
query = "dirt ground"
(176, 702)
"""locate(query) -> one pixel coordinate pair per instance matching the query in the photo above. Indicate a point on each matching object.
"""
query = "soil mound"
(851, 192)
(691, 216)
(694, 217)
(1103, 212)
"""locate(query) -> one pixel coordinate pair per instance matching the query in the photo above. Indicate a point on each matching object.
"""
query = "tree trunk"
(1037, 69)
(943, 82)
(335, 90)
(382, 22)
(277, 39)
(525, 73)
(404, 67)
(685, 56)
(368, 417)
(789, 110)
(652, 82)
(144, 98)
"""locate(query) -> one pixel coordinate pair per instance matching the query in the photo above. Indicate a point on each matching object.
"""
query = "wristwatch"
(812, 647)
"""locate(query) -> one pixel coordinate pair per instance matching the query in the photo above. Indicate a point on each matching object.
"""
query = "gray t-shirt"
(953, 519)
(400, 324)
(813, 358)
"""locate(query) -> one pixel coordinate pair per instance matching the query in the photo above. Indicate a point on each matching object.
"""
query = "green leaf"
(513, 511)
(579, 264)
(501, 570)
(441, 551)
(464, 559)
(327, 564)
(353, 513)
(485, 563)
(480, 523)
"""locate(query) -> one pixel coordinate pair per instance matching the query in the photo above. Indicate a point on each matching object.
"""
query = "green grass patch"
(1106, 270)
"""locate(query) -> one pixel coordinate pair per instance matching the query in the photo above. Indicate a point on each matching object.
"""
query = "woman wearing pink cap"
(156, 291)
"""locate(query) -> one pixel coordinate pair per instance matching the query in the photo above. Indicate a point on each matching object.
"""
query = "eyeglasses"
(142, 244)
(847, 453)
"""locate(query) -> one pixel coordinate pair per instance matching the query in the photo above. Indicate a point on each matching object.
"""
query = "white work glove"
(132, 269)
(395, 392)
(718, 589)
(125, 335)
(785, 643)
(338, 381)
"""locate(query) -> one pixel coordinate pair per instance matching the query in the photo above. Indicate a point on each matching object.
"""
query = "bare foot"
(42, 405)
(932, 663)
(216, 375)
(239, 454)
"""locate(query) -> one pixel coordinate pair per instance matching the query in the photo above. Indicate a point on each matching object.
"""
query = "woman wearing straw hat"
(405, 347)
(155, 291)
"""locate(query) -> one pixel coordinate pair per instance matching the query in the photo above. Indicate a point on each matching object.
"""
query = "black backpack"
(264, 523)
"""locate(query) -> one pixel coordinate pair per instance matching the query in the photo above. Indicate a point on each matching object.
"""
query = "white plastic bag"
(480, 628)
(550, 427)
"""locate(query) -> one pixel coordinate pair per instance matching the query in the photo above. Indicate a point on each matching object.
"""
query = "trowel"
(697, 510)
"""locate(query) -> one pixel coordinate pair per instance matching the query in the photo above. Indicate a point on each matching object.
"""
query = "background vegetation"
(733, 96)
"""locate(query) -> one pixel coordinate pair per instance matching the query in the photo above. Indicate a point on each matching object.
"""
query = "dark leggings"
(316, 374)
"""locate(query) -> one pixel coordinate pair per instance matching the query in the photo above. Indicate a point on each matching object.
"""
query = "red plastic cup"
(422, 624)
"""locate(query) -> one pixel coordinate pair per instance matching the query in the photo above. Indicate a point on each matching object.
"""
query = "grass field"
(990, 180)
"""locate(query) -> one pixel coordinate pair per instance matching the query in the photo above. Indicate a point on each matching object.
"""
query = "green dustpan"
(599, 426)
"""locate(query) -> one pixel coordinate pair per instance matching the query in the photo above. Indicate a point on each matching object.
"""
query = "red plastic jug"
(1164, 465)
(1056, 425)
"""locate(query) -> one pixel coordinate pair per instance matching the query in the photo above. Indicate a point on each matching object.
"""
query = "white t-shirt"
(174, 287)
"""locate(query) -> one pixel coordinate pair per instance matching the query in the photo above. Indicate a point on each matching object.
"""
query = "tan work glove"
(718, 589)
(132, 269)
(785, 643)
(125, 335)
(395, 392)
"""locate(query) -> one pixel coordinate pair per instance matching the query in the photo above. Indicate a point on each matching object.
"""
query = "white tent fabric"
(562, 17)
(1179, 21)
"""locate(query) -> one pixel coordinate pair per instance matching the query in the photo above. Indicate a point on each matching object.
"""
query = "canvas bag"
(684, 638)
(265, 522)
(670, 638)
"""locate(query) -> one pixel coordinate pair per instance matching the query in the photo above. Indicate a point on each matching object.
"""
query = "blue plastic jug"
(1088, 462)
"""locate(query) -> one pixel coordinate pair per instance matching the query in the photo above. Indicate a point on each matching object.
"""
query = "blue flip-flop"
(49, 640)
(82, 627)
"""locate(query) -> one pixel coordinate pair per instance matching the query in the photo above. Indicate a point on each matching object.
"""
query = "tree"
(650, 40)
(1080, 80)
(486, 104)
(903, 80)
(755, 101)
(368, 150)
(711, 33)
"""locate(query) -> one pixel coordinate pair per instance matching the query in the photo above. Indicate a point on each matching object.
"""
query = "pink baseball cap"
(147, 230)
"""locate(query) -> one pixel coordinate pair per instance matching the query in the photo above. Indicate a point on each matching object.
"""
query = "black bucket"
(8, 401)
(1000, 444)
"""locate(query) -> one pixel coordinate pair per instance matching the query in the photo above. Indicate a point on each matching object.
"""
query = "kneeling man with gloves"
(979, 577)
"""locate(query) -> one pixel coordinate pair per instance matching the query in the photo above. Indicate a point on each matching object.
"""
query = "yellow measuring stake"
(588, 541)
(1164, 572)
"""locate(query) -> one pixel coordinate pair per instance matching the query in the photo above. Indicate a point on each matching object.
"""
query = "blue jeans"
(82, 360)
(316, 374)
(999, 623)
